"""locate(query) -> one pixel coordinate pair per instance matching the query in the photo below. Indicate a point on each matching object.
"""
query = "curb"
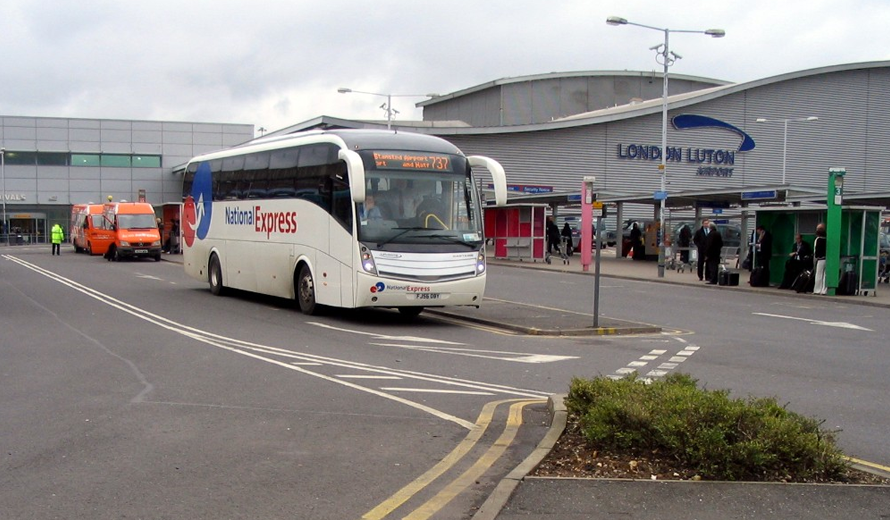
(534, 331)
(505, 488)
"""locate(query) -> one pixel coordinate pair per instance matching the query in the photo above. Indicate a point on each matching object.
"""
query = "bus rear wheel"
(306, 291)
(214, 276)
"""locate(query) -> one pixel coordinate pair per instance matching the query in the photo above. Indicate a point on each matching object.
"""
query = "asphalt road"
(130, 391)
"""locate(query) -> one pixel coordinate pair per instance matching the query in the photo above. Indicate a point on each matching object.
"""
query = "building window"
(146, 161)
(80, 159)
(114, 161)
(20, 158)
(52, 159)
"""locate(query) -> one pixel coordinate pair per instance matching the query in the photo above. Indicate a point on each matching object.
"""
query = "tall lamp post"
(3, 176)
(785, 134)
(667, 59)
(387, 107)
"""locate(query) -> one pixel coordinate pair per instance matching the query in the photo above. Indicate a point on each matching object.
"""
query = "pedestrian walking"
(58, 235)
(700, 240)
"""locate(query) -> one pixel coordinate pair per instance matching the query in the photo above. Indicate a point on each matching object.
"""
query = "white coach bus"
(341, 218)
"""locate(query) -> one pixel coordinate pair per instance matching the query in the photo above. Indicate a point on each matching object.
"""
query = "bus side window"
(341, 203)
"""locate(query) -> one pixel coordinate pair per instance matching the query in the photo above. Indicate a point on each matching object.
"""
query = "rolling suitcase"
(804, 281)
(729, 278)
(846, 286)
(759, 277)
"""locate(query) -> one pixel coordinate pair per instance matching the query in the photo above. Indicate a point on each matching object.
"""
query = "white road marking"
(838, 324)
(487, 354)
(433, 391)
(356, 376)
(262, 352)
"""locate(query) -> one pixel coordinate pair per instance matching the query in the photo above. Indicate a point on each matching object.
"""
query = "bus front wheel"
(306, 291)
(214, 275)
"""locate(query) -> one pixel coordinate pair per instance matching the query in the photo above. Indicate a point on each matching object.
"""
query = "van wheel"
(410, 312)
(111, 254)
(90, 248)
(158, 257)
(306, 291)
(214, 275)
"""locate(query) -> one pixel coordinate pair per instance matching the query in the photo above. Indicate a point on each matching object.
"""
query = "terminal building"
(729, 145)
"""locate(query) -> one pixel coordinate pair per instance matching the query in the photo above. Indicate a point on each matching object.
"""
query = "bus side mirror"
(356, 169)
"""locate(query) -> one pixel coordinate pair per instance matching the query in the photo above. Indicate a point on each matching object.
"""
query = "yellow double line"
(468, 477)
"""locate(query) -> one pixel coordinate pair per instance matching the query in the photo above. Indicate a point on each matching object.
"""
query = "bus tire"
(158, 257)
(214, 276)
(410, 312)
(306, 292)
(111, 253)
(90, 248)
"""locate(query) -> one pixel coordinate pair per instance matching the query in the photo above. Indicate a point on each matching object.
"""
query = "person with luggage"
(713, 248)
(763, 252)
(566, 234)
(799, 259)
(700, 240)
(819, 250)
(685, 239)
(636, 242)
(552, 235)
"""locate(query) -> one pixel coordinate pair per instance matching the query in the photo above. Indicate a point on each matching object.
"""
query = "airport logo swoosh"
(687, 121)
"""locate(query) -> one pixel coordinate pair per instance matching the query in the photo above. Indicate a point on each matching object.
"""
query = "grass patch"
(721, 438)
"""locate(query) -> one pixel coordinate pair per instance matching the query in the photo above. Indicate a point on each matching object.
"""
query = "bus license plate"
(141, 251)
(428, 296)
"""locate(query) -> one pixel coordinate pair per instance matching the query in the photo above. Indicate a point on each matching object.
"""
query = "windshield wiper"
(453, 240)
(403, 231)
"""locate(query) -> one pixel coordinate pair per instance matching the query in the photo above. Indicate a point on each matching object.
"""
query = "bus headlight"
(156, 243)
(480, 263)
(368, 262)
(125, 243)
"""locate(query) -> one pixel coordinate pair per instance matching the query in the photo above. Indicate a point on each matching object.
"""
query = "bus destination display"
(412, 161)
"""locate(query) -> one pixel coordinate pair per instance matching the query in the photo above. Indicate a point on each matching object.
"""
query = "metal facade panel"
(517, 103)
(851, 132)
(545, 100)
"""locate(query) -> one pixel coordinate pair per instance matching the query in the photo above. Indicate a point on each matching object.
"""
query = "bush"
(704, 430)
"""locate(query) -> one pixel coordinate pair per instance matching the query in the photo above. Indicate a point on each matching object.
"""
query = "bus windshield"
(411, 207)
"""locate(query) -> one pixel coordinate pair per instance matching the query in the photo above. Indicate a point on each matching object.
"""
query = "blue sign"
(660, 195)
(717, 211)
(759, 195)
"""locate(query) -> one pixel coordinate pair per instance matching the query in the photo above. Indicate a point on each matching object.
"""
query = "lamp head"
(616, 20)
(761, 120)
(716, 33)
(344, 90)
(812, 118)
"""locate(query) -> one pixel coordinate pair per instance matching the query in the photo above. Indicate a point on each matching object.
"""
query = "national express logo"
(198, 213)
(198, 208)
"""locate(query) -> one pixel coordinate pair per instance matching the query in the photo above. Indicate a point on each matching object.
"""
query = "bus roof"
(351, 139)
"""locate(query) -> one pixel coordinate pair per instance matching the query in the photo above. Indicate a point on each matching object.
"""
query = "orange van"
(89, 232)
(135, 230)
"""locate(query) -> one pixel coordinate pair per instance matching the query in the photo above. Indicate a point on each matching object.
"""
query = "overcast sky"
(275, 63)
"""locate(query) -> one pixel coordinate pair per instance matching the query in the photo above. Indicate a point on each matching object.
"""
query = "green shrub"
(705, 430)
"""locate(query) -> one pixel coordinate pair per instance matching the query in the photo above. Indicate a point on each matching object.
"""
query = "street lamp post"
(667, 59)
(387, 107)
(3, 176)
(785, 134)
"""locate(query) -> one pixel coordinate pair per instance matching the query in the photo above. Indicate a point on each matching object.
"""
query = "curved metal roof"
(654, 106)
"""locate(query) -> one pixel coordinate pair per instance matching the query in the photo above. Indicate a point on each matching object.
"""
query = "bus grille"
(425, 267)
